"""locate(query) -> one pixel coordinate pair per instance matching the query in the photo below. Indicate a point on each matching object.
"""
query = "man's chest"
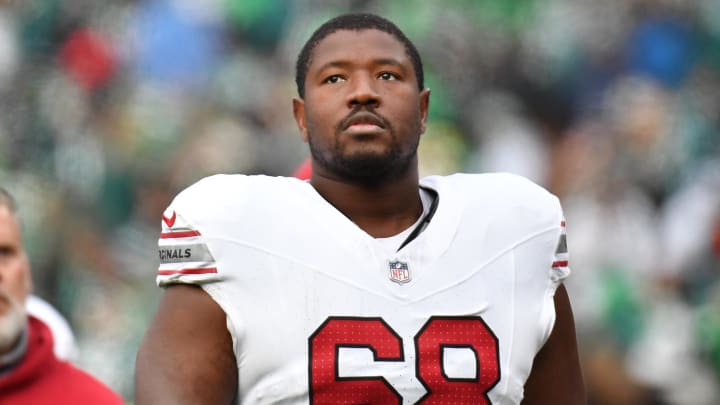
(397, 328)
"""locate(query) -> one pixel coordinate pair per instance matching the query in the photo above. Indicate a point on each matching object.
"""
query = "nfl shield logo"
(399, 272)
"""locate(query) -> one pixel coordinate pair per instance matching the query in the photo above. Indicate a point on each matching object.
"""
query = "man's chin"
(370, 168)
(12, 322)
(368, 164)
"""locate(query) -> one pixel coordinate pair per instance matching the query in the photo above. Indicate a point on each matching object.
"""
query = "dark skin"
(556, 377)
(362, 104)
(187, 351)
(378, 94)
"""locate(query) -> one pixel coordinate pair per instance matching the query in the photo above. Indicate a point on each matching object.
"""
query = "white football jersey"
(320, 313)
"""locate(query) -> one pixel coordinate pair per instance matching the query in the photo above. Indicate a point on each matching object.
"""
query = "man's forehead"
(349, 41)
(9, 225)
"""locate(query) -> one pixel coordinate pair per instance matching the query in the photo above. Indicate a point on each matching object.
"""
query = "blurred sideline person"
(64, 344)
(365, 285)
(30, 372)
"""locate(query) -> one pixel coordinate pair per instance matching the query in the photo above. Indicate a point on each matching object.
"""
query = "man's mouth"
(363, 129)
(363, 123)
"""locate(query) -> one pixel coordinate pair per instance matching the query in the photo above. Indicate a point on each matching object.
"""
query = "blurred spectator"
(64, 345)
(30, 373)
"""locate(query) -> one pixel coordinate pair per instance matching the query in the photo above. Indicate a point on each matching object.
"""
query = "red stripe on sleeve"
(178, 234)
(207, 270)
(560, 263)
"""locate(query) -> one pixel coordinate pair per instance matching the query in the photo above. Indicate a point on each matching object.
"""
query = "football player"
(367, 284)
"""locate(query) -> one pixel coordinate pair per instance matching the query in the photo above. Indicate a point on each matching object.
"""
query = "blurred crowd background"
(108, 108)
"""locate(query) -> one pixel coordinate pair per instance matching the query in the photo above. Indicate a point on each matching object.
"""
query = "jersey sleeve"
(184, 253)
(559, 270)
(560, 267)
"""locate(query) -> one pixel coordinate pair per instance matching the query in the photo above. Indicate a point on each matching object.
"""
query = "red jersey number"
(438, 333)
(326, 387)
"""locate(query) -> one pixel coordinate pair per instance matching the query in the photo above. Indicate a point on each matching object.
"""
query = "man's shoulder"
(519, 205)
(237, 202)
(236, 191)
(43, 378)
(237, 184)
(494, 186)
(86, 388)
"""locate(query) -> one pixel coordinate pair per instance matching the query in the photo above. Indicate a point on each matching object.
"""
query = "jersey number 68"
(438, 333)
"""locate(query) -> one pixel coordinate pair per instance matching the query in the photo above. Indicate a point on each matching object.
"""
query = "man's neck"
(15, 353)
(380, 210)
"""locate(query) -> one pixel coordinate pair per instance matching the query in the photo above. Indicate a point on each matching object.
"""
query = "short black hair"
(355, 22)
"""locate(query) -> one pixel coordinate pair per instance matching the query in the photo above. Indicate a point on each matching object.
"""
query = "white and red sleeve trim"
(185, 257)
(561, 258)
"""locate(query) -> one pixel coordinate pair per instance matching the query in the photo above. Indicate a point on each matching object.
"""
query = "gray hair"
(7, 200)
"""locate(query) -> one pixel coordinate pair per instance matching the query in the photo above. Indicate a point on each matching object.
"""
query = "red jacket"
(42, 379)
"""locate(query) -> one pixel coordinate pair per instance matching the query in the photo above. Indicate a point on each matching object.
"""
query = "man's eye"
(334, 79)
(387, 76)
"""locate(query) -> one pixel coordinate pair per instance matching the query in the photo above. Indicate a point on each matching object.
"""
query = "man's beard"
(12, 322)
(366, 169)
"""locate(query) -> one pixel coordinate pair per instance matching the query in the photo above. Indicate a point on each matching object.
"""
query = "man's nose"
(363, 92)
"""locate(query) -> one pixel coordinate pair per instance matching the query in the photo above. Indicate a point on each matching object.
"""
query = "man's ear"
(28, 281)
(299, 113)
(424, 109)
